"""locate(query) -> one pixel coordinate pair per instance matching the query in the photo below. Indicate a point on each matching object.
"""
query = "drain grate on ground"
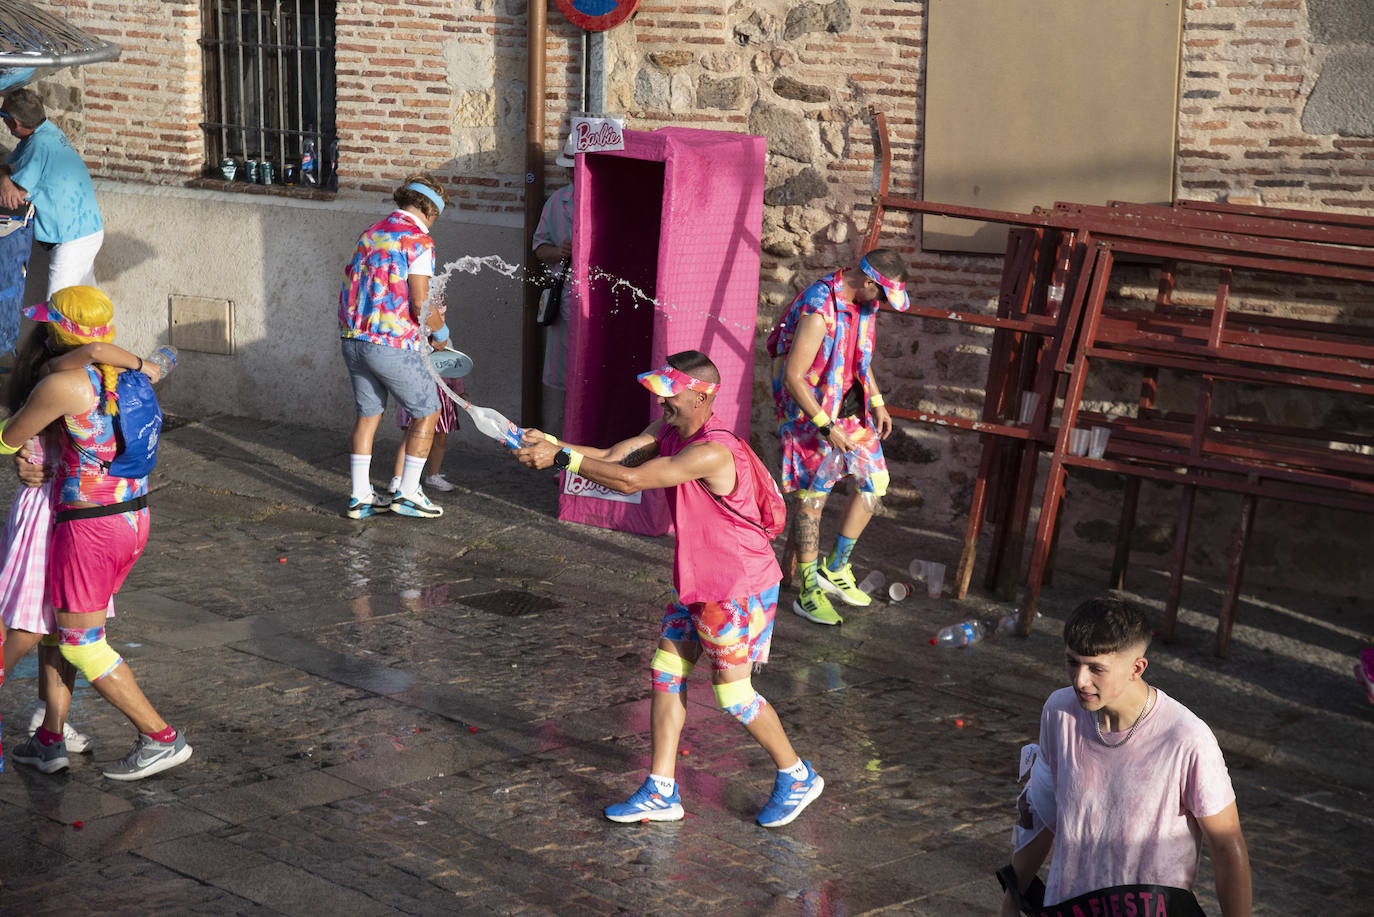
(510, 603)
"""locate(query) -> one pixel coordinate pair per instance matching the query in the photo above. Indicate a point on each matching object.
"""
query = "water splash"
(619, 287)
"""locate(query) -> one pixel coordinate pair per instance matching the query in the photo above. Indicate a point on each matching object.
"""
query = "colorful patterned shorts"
(731, 633)
(804, 453)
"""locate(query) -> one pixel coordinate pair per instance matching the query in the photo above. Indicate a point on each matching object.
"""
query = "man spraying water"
(725, 577)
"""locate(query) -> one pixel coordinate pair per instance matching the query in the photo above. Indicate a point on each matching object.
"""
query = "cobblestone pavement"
(406, 716)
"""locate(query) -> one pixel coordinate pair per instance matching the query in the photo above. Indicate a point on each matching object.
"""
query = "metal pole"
(532, 350)
(594, 63)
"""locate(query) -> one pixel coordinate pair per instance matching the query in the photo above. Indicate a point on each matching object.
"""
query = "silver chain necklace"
(1097, 723)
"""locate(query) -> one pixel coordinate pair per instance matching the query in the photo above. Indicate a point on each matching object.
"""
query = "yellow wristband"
(876, 401)
(5, 448)
(821, 419)
(551, 438)
(574, 461)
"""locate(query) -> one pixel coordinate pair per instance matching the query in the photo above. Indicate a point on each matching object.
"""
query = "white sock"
(395, 484)
(410, 477)
(796, 771)
(666, 785)
(360, 469)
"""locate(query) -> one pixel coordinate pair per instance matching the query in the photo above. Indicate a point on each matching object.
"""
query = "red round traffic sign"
(597, 15)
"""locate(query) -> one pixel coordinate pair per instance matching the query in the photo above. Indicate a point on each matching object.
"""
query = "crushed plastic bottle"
(965, 633)
(164, 358)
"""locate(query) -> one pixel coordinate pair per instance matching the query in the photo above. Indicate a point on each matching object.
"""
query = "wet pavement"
(403, 716)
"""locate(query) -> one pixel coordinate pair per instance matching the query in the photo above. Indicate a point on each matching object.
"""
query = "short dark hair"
(405, 196)
(25, 107)
(888, 263)
(696, 364)
(1106, 624)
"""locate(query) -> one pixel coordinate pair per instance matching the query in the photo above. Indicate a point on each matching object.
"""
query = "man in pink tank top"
(1125, 784)
(725, 578)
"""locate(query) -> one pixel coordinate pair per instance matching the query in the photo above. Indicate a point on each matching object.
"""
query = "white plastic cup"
(1029, 402)
(874, 580)
(917, 569)
(1097, 447)
(1079, 440)
(898, 591)
(935, 579)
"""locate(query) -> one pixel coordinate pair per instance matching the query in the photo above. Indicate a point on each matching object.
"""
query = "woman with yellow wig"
(102, 528)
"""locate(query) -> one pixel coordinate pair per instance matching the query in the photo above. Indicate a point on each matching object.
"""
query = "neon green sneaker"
(814, 606)
(841, 582)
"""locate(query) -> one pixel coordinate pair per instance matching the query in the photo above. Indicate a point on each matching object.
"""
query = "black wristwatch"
(562, 458)
(825, 430)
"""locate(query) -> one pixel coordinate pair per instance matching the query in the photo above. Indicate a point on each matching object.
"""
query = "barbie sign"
(578, 486)
(595, 134)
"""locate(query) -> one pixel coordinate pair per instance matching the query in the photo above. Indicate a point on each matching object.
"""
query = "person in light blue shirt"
(46, 170)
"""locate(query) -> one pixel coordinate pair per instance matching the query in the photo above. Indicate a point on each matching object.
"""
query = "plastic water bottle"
(308, 164)
(164, 358)
(1007, 625)
(963, 634)
(494, 424)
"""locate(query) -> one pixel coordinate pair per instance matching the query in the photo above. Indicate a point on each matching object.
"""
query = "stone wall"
(1274, 108)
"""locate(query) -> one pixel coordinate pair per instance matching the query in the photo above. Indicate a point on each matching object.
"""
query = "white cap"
(565, 158)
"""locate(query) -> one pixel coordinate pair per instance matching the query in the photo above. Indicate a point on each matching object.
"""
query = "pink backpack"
(772, 509)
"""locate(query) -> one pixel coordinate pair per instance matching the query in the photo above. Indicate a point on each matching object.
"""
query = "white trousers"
(72, 264)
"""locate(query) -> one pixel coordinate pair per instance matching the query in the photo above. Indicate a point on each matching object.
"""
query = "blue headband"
(428, 192)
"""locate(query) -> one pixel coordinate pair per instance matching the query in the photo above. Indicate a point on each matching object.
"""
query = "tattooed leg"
(807, 522)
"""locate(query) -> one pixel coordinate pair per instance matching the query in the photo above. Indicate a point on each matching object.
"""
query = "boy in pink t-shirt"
(1125, 784)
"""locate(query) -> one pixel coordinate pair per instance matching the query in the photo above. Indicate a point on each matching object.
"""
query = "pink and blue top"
(374, 304)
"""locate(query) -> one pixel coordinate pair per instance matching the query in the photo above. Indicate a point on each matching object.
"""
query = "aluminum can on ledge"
(228, 169)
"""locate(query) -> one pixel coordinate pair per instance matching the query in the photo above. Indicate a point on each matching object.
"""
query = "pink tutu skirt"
(24, 601)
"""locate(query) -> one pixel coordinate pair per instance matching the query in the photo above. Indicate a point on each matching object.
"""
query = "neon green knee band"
(734, 693)
(739, 699)
(93, 660)
(671, 663)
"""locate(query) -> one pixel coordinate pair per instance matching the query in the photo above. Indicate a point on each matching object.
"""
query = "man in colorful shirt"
(831, 417)
(725, 578)
(381, 306)
(47, 171)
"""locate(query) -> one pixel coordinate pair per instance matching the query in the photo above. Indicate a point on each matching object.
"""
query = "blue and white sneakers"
(647, 804)
(365, 509)
(789, 797)
(416, 504)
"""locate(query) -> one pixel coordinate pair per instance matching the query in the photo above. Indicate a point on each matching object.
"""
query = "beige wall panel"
(281, 262)
(1033, 101)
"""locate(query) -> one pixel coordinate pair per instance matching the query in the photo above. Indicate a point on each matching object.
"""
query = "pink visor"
(894, 291)
(669, 380)
(47, 312)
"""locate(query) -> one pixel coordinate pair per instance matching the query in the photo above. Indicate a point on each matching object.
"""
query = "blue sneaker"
(417, 505)
(363, 509)
(647, 804)
(789, 797)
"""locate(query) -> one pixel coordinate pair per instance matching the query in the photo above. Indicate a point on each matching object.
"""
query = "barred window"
(269, 91)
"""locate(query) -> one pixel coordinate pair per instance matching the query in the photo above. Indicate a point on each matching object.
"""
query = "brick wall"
(138, 117)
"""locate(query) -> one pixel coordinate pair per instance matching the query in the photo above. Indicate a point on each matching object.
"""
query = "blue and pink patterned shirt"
(374, 304)
(88, 448)
(851, 332)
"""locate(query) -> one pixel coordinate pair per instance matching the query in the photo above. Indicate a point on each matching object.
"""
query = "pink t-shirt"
(719, 555)
(1128, 815)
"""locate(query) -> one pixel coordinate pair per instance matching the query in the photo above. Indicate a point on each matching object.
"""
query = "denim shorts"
(377, 369)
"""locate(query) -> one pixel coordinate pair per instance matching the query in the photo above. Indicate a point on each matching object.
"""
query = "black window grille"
(269, 90)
